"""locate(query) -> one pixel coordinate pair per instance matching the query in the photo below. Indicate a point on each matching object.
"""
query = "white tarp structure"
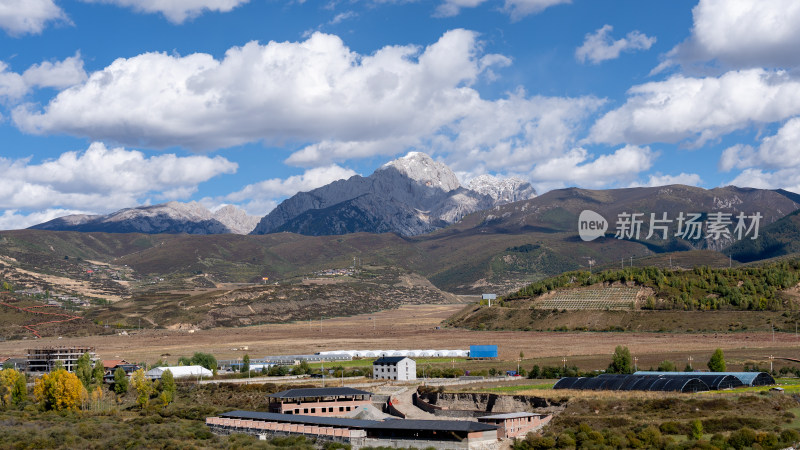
(180, 372)
(408, 353)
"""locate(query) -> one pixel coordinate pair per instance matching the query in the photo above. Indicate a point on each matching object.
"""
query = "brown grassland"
(415, 327)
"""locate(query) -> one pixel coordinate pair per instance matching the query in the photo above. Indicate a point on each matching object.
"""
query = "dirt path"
(404, 403)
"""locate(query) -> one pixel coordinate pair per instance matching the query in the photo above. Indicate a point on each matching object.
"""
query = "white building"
(394, 368)
(180, 372)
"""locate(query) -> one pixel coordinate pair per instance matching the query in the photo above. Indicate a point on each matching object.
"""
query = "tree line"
(702, 288)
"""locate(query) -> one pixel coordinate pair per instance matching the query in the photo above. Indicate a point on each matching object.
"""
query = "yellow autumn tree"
(97, 398)
(60, 390)
(13, 390)
(143, 386)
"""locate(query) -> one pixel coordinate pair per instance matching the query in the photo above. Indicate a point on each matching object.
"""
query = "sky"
(109, 104)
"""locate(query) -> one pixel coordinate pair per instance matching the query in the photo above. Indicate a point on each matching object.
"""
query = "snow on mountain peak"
(502, 190)
(422, 168)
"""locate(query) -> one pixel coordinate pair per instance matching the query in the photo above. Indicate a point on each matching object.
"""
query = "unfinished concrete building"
(42, 360)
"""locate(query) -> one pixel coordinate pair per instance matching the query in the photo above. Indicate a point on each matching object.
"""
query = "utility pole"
(770, 363)
(635, 363)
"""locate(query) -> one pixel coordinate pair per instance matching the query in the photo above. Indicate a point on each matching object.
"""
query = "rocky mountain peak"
(170, 217)
(237, 220)
(502, 190)
(422, 168)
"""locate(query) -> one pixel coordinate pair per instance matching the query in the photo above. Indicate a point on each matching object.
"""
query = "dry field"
(414, 327)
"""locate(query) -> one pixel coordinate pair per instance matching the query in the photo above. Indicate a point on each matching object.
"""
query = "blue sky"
(106, 104)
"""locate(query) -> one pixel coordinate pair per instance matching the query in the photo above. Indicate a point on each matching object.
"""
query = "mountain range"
(409, 196)
(170, 218)
(493, 250)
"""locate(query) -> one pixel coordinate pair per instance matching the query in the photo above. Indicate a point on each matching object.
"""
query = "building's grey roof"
(398, 424)
(319, 392)
(510, 416)
(436, 425)
(390, 359)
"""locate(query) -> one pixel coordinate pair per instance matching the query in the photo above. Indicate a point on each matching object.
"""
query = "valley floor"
(415, 327)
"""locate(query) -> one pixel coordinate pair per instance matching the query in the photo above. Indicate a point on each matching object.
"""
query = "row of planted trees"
(622, 363)
(61, 390)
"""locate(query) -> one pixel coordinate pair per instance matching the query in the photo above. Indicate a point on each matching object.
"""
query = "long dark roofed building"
(451, 434)
(612, 382)
(746, 378)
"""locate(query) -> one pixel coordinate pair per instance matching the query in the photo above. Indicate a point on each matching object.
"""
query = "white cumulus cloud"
(47, 74)
(176, 11)
(313, 90)
(658, 179)
(741, 34)
(699, 109)
(780, 150)
(13, 219)
(774, 163)
(19, 17)
(335, 104)
(600, 46)
(100, 179)
(578, 167)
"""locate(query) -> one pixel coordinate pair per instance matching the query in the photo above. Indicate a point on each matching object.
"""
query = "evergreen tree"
(120, 382)
(246, 363)
(717, 361)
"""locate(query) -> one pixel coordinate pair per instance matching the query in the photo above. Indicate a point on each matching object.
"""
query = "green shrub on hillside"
(702, 288)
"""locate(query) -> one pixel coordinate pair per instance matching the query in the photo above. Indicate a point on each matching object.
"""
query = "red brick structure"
(319, 401)
(514, 425)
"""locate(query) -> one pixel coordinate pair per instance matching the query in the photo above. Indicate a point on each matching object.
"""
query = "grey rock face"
(172, 217)
(411, 195)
